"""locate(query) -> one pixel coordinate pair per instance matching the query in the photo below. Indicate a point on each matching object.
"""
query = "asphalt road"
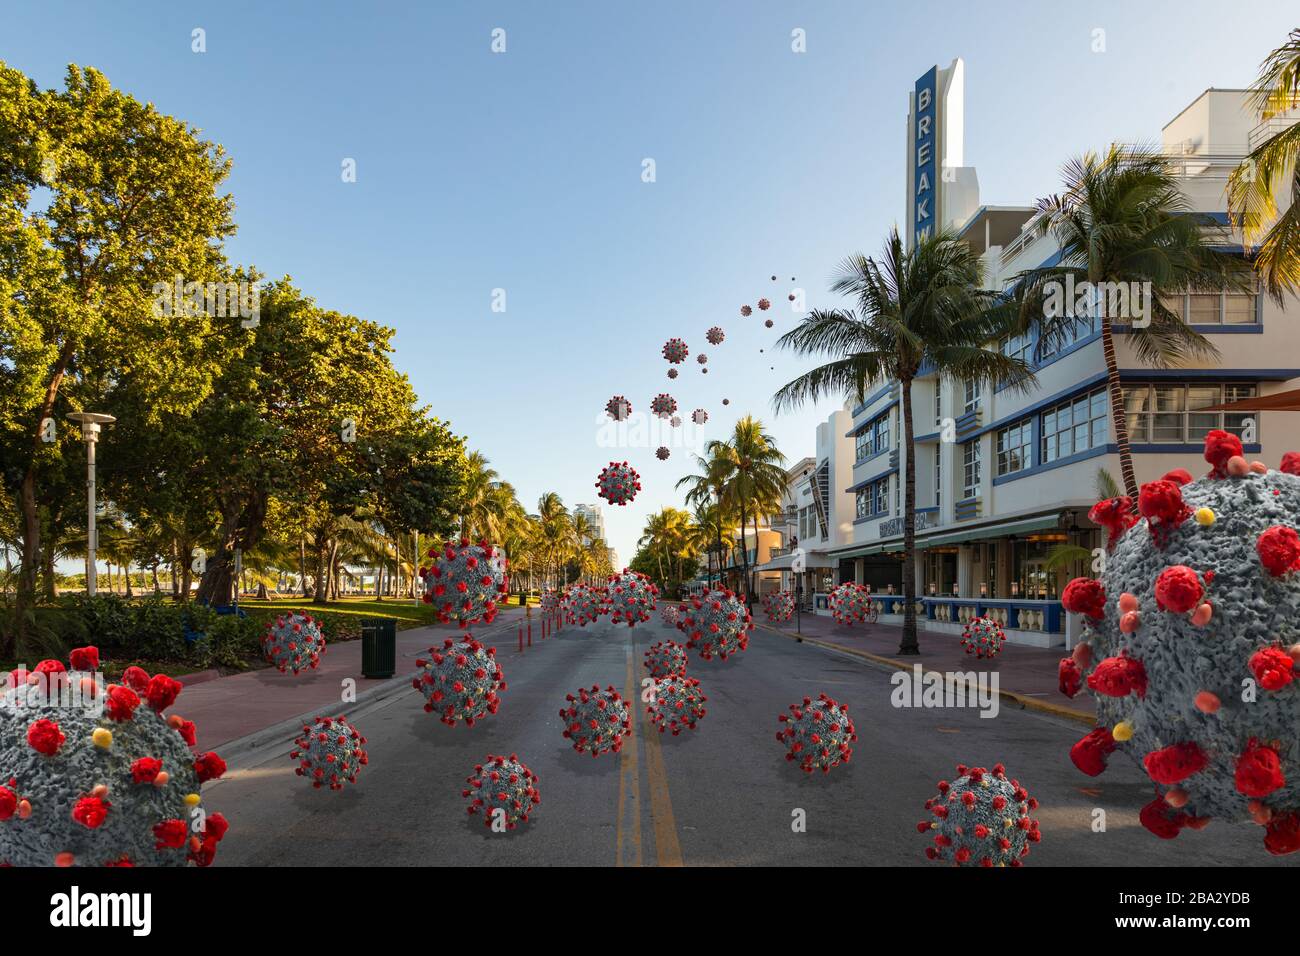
(720, 795)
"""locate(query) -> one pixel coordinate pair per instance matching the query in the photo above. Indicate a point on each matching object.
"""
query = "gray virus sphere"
(778, 606)
(980, 819)
(630, 597)
(983, 637)
(330, 752)
(665, 657)
(1190, 640)
(293, 642)
(582, 604)
(466, 581)
(502, 789)
(596, 720)
(817, 734)
(717, 624)
(678, 704)
(460, 681)
(95, 775)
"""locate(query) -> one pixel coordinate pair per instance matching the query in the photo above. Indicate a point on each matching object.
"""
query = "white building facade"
(1004, 480)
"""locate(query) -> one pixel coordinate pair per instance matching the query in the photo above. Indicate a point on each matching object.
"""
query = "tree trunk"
(322, 566)
(302, 564)
(176, 586)
(909, 643)
(744, 556)
(1118, 414)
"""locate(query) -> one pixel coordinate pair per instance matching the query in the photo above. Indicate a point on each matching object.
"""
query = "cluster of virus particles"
(582, 604)
(1191, 642)
(675, 351)
(502, 788)
(293, 643)
(330, 752)
(465, 582)
(665, 658)
(618, 483)
(716, 623)
(663, 405)
(460, 681)
(618, 408)
(980, 819)
(817, 734)
(96, 775)
(849, 603)
(778, 606)
(630, 597)
(983, 637)
(677, 703)
(596, 721)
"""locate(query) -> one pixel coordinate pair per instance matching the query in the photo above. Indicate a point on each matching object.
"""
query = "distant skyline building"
(595, 518)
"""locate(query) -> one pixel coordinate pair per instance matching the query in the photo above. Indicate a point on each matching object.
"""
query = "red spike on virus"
(461, 680)
(983, 637)
(465, 581)
(596, 721)
(330, 752)
(675, 351)
(98, 774)
(1198, 617)
(980, 819)
(817, 734)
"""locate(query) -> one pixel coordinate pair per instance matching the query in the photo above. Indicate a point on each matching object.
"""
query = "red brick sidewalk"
(229, 708)
(1025, 674)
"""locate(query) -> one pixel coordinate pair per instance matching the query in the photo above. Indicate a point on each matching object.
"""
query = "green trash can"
(378, 647)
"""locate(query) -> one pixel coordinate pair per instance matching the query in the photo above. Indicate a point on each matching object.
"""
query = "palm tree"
(917, 309)
(1255, 185)
(704, 494)
(1123, 219)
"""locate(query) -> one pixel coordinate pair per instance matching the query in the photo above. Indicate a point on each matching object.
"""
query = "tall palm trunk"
(744, 553)
(909, 643)
(1118, 414)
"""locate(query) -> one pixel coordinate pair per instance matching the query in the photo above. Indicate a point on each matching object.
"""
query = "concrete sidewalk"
(230, 708)
(1026, 675)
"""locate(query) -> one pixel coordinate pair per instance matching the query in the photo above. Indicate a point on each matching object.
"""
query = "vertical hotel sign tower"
(939, 190)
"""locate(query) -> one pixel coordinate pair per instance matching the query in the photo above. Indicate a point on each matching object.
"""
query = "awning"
(813, 561)
(1288, 401)
(974, 533)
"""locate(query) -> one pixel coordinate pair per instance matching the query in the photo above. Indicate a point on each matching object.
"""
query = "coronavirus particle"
(668, 613)
(293, 642)
(665, 657)
(94, 774)
(618, 408)
(330, 753)
(618, 483)
(460, 681)
(502, 789)
(675, 421)
(715, 335)
(465, 582)
(764, 304)
(702, 359)
(726, 401)
(675, 351)
(596, 721)
(768, 323)
(699, 416)
(662, 453)
(582, 604)
(672, 373)
(716, 624)
(849, 603)
(550, 601)
(1190, 643)
(746, 310)
(983, 637)
(778, 606)
(980, 819)
(630, 597)
(663, 405)
(817, 734)
(678, 704)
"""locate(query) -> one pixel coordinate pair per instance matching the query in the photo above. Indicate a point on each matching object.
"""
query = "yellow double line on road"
(668, 851)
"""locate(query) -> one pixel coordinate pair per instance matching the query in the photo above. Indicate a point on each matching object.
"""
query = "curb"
(1027, 703)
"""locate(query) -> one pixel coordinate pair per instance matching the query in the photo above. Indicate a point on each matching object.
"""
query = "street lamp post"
(90, 422)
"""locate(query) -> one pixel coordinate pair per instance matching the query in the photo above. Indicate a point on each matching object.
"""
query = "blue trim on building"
(872, 457)
(875, 417)
(872, 480)
(1145, 448)
(874, 397)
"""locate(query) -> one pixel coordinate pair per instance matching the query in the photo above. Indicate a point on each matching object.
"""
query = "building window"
(881, 433)
(938, 480)
(872, 438)
(970, 469)
(1013, 447)
(898, 497)
(1068, 333)
(1074, 426)
(938, 403)
(1017, 347)
(1169, 413)
(862, 502)
(882, 496)
(972, 396)
(1215, 308)
(862, 444)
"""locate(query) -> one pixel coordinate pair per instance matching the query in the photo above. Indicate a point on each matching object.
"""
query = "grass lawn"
(407, 613)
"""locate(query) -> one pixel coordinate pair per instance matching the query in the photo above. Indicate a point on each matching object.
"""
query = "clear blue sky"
(522, 171)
